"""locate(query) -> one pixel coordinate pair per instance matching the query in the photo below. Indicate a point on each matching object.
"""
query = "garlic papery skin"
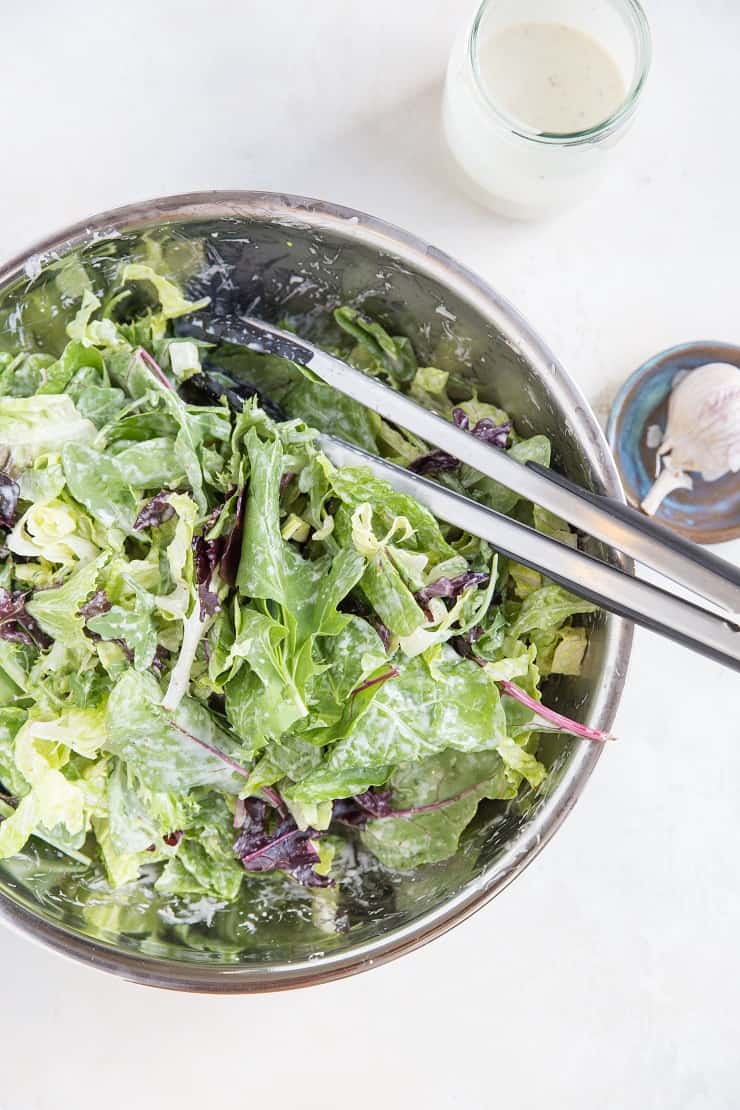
(702, 433)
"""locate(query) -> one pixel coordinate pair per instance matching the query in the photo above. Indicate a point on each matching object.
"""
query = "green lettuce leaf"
(94, 479)
(57, 609)
(375, 350)
(56, 806)
(11, 778)
(160, 747)
(456, 780)
(410, 717)
(547, 608)
(33, 426)
(170, 296)
(134, 626)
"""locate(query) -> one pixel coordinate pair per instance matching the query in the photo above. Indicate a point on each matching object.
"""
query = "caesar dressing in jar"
(537, 94)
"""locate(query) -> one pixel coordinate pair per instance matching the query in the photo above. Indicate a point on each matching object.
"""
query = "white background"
(607, 976)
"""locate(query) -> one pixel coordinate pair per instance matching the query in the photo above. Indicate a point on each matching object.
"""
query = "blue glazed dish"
(708, 513)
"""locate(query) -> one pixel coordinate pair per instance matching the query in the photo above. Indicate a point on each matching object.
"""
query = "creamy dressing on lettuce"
(221, 656)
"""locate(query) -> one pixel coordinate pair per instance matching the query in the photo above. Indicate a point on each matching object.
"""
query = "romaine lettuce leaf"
(95, 480)
(547, 608)
(55, 804)
(57, 531)
(33, 426)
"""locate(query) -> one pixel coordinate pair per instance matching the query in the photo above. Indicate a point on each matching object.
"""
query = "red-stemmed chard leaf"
(263, 846)
(232, 763)
(154, 368)
(551, 719)
(383, 632)
(375, 805)
(369, 682)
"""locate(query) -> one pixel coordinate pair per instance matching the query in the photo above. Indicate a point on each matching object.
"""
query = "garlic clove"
(668, 480)
(702, 432)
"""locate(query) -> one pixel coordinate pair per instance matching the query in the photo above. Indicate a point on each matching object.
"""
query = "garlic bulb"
(703, 431)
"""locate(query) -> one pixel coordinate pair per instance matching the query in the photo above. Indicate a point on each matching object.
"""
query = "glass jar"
(519, 169)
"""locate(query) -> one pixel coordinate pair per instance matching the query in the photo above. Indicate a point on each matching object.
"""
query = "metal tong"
(691, 623)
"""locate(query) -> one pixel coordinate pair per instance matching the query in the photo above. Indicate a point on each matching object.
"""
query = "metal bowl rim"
(291, 210)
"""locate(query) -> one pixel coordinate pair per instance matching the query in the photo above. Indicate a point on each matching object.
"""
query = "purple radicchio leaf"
(551, 717)
(99, 603)
(463, 644)
(160, 662)
(16, 624)
(383, 632)
(232, 543)
(173, 839)
(9, 494)
(206, 555)
(95, 605)
(284, 847)
(375, 805)
(155, 512)
(357, 811)
(346, 811)
(435, 462)
(449, 587)
(497, 435)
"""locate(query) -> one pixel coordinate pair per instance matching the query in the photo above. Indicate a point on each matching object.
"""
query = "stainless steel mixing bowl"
(289, 254)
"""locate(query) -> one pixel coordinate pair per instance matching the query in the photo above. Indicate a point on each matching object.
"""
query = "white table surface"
(607, 976)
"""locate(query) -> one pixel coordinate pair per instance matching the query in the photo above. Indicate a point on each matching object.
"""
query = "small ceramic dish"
(708, 513)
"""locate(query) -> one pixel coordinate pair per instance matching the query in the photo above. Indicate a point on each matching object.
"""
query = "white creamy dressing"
(551, 77)
(548, 78)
